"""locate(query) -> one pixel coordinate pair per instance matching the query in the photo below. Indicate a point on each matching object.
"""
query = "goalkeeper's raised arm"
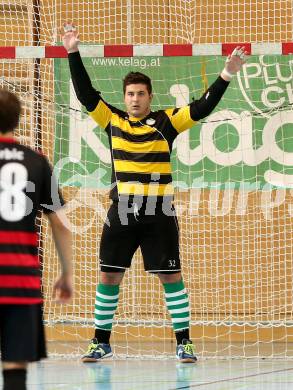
(203, 107)
(84, 90)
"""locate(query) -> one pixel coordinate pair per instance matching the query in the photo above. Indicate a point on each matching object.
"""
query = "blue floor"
(161, 375)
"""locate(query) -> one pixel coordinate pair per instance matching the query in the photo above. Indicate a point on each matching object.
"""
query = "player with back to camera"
(142, 213)
(26, 185)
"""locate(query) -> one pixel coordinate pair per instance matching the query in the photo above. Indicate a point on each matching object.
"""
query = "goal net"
(233, 172)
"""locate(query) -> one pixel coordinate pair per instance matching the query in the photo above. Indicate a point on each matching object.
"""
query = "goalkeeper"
(142, 213)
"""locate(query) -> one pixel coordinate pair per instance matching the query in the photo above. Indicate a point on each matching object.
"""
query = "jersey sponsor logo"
(150, 121)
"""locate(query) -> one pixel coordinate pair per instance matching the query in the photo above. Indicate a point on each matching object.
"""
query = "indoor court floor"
(169, 374)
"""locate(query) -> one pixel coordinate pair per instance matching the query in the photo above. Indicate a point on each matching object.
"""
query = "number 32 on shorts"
(171, 263)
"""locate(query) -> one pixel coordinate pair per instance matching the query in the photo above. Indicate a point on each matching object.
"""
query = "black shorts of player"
(22, 333)
(127, 230)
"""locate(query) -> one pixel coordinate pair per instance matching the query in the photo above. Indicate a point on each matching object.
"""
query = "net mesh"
(233, 172)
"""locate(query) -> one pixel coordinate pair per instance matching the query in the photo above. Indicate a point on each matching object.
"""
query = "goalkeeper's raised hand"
(70, 38)
(234, 63)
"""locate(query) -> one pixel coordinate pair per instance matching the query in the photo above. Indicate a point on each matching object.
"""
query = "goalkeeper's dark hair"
(10, 109)
(137, 78)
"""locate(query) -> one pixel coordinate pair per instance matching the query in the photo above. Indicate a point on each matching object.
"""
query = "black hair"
(10, 109)
(137, 78)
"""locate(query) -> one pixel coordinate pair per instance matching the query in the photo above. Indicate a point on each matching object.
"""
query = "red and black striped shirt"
(26, 186)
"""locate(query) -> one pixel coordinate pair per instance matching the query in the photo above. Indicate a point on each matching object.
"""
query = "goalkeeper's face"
(137, 100)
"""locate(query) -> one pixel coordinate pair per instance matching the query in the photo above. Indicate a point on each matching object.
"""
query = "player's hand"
(70, 38)
(62, 289)
(234, 63)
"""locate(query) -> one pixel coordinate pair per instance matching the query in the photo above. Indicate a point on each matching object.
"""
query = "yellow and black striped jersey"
(141, 147)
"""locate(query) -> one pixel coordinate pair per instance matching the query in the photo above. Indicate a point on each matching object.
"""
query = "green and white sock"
(177, 304)
(106, 305)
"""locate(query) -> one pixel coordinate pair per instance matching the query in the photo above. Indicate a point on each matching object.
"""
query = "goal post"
(233, 172)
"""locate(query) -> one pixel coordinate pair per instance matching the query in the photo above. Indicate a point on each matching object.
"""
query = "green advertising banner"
(246, 142)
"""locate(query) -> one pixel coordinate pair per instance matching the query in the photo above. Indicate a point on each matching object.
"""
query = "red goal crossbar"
(11, 52)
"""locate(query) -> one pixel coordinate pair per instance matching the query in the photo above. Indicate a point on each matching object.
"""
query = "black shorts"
(156, 235)
(22, 333)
